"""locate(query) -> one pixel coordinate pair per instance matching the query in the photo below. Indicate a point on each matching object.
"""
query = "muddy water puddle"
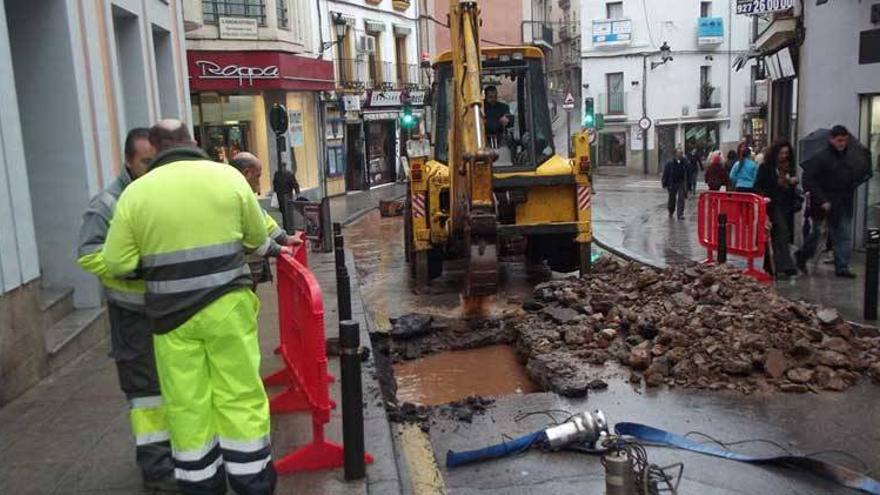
(450, 376)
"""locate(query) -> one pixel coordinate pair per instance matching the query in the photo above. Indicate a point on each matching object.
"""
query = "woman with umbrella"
(777, 180)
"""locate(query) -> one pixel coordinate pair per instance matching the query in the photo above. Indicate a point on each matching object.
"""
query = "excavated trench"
(693, 327)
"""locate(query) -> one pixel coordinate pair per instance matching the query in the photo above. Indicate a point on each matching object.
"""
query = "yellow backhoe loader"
(477, 194)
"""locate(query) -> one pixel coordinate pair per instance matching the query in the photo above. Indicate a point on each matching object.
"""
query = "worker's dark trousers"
(132, 348)
(677, 194)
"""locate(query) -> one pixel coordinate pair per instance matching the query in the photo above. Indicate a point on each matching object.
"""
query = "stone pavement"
(630, 216)
(69, 434)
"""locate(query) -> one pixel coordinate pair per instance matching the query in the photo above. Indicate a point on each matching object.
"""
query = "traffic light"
(589, 113)
(407, 119)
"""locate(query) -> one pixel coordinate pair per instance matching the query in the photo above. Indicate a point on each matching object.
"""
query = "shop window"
(213, 10)
(335, 161)
(224, 124)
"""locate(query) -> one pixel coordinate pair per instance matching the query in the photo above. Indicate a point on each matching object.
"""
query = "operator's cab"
(526, 141)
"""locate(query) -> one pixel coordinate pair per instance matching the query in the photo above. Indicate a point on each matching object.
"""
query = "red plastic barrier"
(746, 226)
(301, 321)
(301, 254)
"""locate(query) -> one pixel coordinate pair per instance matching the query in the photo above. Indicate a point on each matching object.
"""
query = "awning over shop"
(374, 26)
(257, 70)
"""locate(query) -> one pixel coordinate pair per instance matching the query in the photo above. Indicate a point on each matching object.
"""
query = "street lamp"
(340, 26)
(645, 122)
(665, 56)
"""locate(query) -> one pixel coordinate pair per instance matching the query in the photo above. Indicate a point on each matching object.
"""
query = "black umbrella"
(857, 155)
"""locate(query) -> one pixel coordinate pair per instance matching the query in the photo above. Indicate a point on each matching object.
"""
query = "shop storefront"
(370, 153)
(232, 94)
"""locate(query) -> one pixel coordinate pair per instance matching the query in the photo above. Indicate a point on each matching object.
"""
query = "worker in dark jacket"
(675, 181)
(831, 177)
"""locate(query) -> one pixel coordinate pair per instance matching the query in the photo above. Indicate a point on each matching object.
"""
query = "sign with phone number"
(755, 7)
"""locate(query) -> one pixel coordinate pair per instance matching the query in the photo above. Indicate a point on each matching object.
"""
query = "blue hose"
(515, 446)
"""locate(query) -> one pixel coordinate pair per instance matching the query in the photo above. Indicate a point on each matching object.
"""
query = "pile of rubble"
(707, 327)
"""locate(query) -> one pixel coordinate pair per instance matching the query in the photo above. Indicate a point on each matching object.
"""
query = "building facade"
(692, 97)
(564, 60)
(74, 77)
(374, 46)
(246, 56)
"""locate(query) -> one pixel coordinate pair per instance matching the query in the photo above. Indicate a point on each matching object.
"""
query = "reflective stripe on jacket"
(128, 293)
(187, 226)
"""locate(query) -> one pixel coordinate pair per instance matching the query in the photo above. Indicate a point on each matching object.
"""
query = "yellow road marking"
(420, 463)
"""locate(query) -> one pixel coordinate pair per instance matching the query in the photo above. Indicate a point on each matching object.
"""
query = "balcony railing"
(407, 75)
(710, 98)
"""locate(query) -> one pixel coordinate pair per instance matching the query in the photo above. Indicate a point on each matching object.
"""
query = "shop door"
(701, 138)
(355, 178)
(381, 153)
(665, 145)
(612, 149)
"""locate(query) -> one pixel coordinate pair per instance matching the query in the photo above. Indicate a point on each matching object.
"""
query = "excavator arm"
(474, 219)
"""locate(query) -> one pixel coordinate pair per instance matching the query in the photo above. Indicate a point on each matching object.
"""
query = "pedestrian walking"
(131, 336)
(695, 166)
(252, 169)
(185, 226)
(675, 181)
(831, 176)
(744, 171)
(716, 175)
(777, 180)
(285, 185)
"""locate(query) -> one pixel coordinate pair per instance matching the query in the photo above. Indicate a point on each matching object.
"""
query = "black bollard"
(352, 400)
(337, 229)
(722, 238)
(872, 272)
(343, 283)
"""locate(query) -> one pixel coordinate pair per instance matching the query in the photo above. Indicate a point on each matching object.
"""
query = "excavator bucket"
(482, 270)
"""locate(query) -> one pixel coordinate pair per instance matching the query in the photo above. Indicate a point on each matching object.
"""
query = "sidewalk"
(70, 434)
(630, 216)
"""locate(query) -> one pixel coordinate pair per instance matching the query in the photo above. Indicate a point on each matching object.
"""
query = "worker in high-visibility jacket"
(131, 336)
(185, 227)
(252, 168)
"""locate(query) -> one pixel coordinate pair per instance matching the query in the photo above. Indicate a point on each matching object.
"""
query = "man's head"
(678, 154)
(250, 166)
(138, 152)
(839, 138)
(491, 93)
(170, 133)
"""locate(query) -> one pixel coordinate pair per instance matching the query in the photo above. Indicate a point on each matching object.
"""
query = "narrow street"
(806, 422)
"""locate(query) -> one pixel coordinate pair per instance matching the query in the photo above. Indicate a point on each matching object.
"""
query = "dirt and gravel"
(705, 327)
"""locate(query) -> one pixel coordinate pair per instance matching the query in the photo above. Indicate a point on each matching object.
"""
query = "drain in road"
(449, 376)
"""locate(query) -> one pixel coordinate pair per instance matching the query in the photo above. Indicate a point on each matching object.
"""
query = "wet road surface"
(848, 421)
(629, 213)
